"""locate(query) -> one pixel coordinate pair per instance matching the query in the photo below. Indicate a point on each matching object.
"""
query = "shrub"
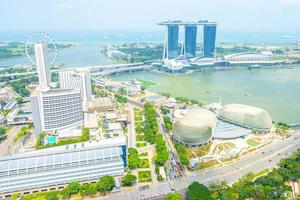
(105, 184)
(128, 180)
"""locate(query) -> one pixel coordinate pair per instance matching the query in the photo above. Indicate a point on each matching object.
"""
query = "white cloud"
(63, 5)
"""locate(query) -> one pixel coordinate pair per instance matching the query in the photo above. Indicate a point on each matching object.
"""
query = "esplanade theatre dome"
(195, 128)
(245, 115)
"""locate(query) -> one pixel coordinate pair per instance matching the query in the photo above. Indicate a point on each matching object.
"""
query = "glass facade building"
(190, 41)
(172, 46)
(57, 166)
(209, 40)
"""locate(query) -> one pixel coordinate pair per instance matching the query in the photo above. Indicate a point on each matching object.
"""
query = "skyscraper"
(190, 41)
(77, 80)
(209, 40)
(172, 41)
(41, 56)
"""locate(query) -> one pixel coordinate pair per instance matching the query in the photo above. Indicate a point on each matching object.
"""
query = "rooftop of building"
(59, 91)
(190, 23)
(247, 115)
(76, 147)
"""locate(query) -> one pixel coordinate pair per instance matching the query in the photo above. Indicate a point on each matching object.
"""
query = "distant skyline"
(280, 16)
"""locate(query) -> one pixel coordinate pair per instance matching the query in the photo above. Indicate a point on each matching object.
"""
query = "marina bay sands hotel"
(171, 47)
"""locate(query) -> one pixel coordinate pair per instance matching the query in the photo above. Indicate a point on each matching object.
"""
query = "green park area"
(146, 84)
(252, 143)
(101, 187)
(144, 176)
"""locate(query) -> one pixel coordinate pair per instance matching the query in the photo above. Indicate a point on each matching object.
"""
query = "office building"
(209, 40)
(43, 68)
(77, 80)
(55, 167)
(56, 109)
(190, 41)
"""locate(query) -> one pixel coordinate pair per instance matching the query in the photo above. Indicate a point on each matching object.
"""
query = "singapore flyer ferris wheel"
(38, 37)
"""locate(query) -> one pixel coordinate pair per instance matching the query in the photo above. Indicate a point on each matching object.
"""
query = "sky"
(231, 15)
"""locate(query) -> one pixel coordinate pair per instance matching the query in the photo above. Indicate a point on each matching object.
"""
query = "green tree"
(128, 180)
(105, 183)
(53, 195)
(15, 196)
(173, 196)
(217, 189)
(19, 100)
(199, 191)
(2, 131)
(162, 153)
(133, 158)
(88, 189)
(73, 188)
(183, 156)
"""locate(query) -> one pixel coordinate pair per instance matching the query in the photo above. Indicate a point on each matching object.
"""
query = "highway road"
(6, 146)
(131, 130)
(267, 157)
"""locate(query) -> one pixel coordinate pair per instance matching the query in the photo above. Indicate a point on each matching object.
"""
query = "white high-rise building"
(53, 109)
(56, 109)
(44, 74)
(77, 80)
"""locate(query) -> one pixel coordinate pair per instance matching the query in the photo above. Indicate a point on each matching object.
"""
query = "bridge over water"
(101, 69)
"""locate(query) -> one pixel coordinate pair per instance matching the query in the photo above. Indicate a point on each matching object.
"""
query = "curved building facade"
(247, 116)
(195, 128)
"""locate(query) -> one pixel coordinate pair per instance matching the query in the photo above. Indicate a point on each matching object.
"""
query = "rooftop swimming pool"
(51, 140)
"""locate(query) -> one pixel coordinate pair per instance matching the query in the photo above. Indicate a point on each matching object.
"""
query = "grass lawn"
(138, 124)
(144, 154)
(144, 176)
(201, 151)
(138, 118)
(252, 143)
(146, 84)
(136, 110)
(230, 144)
(262, 172)
(140, 138)
(205, 164)
(141, 144)
(144, 163)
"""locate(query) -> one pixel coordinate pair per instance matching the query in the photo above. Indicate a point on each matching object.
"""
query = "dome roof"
(195, 128)
(246, 115)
